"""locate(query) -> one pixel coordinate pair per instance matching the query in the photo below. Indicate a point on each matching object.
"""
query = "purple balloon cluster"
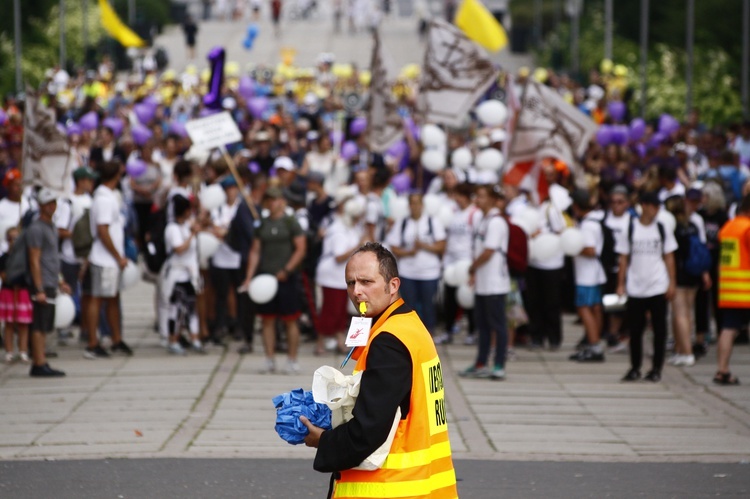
(257, 106)
(357, 126)
(613, 134)
(136, 167)
(89, 121)
(212, 100)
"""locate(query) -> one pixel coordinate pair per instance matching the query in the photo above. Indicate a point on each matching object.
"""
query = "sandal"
(726, 379)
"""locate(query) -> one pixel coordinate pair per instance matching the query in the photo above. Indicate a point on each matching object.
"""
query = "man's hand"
(122, 262)
(313, 439)
(40, 297)
(65, 288)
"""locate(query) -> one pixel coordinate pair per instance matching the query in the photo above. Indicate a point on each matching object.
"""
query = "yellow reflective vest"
(734, 264)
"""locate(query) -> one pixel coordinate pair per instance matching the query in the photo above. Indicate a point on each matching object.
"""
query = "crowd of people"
(139, 193)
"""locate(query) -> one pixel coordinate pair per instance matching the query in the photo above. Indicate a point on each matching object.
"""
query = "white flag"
(547, 126)
(46, 153)
(385, 124)
(456, 73)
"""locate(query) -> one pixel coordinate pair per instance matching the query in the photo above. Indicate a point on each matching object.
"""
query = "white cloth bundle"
(339, 392)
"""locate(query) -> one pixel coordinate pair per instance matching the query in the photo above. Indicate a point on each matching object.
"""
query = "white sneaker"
(292, 367)
(621, 347)
(470, 339)
(441, 339)
(674, 359)
(24, 357)
(270, 366)
(9, 357)
(176, 349)
(685, 360)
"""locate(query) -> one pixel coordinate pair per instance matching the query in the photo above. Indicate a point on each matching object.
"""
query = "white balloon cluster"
(490, 160)
(212, 197)
(433, 159)
(433, 136)
(529, 219)
(544, 246)
(398, 207)
(492, 113)
(457, 273)
(461, 158)
(571, 241)
(465, 296)
(208, 245)
(263, 288)
(130, 275)
(65, 311)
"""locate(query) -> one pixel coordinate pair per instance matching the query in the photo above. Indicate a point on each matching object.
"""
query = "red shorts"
(334, 317)
(15, 306)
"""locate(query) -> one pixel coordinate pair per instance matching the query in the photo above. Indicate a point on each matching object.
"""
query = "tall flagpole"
(689, 41)
(63, 54)
(17, 43)
(745, 58)
(608, 13)
(644, 53)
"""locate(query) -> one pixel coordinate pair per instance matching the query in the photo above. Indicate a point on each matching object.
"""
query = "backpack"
(403, 229)
(698, 257)
(659, 226)
(156, 245)
(518, 250)
(17, 266)
(608, 256)
(81, 237)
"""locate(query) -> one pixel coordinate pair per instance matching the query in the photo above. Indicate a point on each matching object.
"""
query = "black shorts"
(735, 318)
(287, 304)
(43, 314)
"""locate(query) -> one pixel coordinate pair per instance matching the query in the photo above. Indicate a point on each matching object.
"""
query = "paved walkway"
(219, 405)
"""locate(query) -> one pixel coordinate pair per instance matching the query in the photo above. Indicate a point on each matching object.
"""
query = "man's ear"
(394, 285)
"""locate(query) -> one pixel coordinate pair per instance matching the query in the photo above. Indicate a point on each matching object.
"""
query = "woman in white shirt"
(181, 276)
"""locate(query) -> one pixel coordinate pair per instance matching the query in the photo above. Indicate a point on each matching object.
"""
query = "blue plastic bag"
(290, 406)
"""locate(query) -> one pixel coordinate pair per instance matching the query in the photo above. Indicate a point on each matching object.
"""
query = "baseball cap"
(11, 175)
(284, 163)
(84, 172)
(274, 193)
(649, 197)
(228, 181)
(316, 177)
(46, 195)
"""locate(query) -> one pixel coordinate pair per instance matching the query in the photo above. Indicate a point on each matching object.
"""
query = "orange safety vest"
(419, 464)
(734, 264)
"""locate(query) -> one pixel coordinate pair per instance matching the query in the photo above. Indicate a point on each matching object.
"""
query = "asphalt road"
(288, 479)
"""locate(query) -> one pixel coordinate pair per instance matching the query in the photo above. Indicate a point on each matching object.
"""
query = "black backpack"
(608, 256)
(17, 265)
(81, 237)
(156, 246)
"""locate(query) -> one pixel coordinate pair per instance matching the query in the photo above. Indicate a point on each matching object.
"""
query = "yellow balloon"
(620, 70)
(606, 66)
(541, 75)
(364, 78)
(232, 69)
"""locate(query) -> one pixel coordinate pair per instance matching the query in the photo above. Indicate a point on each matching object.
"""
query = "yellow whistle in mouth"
(362, 308)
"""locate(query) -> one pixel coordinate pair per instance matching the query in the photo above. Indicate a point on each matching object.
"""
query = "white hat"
(284, 163)
(46, 195)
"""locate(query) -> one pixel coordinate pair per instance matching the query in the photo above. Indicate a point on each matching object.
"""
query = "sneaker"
(45, 371)
(123, 348)
(632, 375)
(587, 355)
(621, 347)
(24, 357)
(684, 360)
(96, 352)
(498, 373)
(511, 355)
(292, 367)
(470, 339)
(653, 376)
(270, 366)
(245, 349)
(441, 339)
(476, 371)
(197, 347)
(9, 357)
(176, 349)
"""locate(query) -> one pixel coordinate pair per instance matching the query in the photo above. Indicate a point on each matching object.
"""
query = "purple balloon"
(637, 129)
(412, 127)
(349, 150)
(640, 148)
(150, 100)
(358, 126)
(141, 134)
(74, 129)
(401, 183)
(178, 128)
(257, 106)
(337, 136)
(617, 110)
(620, 134)
(3, 117)
(207, 112)
(398, 149)
(212, 99)
(668, 124)
(136, 167)
(115, 124)
(89, 121)
(144, 112)
(604, 135)
(253, 166)
(247, 87)
(657, 139)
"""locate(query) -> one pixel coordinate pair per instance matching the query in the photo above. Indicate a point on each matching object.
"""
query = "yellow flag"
(479, 25)
(116, 28)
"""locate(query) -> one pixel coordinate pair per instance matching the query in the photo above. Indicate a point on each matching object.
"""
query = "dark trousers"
(543, 301)
(636, 317)
(224, 281)
(489, 311)
(420, 294)
(450, 310)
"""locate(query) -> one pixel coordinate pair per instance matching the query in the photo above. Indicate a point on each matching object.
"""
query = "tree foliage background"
(717, 51)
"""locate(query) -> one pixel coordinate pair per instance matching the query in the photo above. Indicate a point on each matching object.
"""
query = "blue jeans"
(489, 313)
(420, 295)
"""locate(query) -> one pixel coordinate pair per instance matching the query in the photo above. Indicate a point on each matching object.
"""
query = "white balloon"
(263, 288)
(446, 214)
(208, 245)
(461, 158)
(492, 113)
(523, 223)
(544, 246)
(462, 271)
(355, 207)
(398, 208)
(433, 160)
(65, 311)
(450, 277)
(432, 136)
(212, 197)
(490, 160)
(465, 296)
(532, 218)
(667, 220)
(571, 241)
(432, 204)
(130, 275)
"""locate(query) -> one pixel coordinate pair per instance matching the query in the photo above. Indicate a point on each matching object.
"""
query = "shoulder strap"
(403, 230)
(662, 233)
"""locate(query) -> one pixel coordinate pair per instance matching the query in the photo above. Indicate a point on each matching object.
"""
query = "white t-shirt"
(339, 238)
(697, 220)
(181, 264)
(589, 271)
(186, 192)
(493, 277)
(375, 214)
(10, 216)
(618, 225)
(225, 257)
(460, 234)
(105, 210)
(677, 190)
(552, 222)
(647, 273)
(425, 265)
